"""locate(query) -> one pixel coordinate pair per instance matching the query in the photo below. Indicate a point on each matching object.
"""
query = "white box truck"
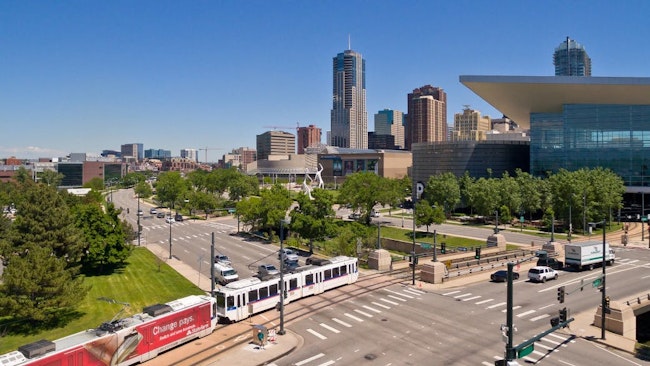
(587, 255)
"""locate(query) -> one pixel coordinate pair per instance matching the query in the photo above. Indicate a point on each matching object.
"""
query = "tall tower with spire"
(348, 115)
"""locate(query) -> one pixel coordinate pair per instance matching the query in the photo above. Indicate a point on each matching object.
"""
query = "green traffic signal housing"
(478, 253)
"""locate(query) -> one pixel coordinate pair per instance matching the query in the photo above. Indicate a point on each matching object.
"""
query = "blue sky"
(83, 76)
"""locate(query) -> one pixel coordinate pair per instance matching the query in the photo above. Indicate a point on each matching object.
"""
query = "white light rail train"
(240, 299)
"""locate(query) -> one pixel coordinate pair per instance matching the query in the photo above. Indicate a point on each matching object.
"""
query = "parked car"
(354, 216)
(374, 213)
(169, 220)
(541, 274)
(222, 258)
(178, 217)
(153, 211)
(550, 262)
(502, 276)
(160, 215)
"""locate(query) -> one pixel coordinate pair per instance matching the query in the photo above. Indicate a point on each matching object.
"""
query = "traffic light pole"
(603, 311)
(510, 352)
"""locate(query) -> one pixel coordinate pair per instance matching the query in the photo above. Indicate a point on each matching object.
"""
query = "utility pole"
(604, 296)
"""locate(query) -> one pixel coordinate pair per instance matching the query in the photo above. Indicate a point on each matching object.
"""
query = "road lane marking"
(496, 305)
(451, 293)
(381, 305)
(363, 313)
(316, 334)
(552, 349)
(353, 317)
(539, 317)
(484, 301)
(331, 329)
(400, 294)
(513, 308)
(418, 291)
(563, 339)
(545, 339)
(472, 298)
(541, 354)
(371, 309)
(412, 292)
(397, 298)
(388, 301)
(544, 307)
(463, 295)
(525, 313)
(342, 323)
(310, 359)
(330, 362)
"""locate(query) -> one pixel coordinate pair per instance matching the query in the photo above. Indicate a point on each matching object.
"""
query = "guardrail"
(473, 267)
(638, 300)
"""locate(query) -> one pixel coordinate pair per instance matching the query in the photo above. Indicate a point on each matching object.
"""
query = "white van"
(224, 274)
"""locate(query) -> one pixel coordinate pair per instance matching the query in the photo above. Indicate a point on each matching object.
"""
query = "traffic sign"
(597, 282)
(644, 219)
(526, 351)
(425, 246)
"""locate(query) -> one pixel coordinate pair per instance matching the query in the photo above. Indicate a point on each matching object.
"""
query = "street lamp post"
(138, 219)
(170, 238)
(584, 216)
(282, 294)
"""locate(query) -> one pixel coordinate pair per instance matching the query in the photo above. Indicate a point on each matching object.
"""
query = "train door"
(240, 305)
(318, 282)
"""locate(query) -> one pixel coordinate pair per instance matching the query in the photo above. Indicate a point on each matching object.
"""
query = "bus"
(240, 299)
(124, 341)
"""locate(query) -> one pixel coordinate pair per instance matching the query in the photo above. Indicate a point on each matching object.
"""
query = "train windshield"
(221, 300)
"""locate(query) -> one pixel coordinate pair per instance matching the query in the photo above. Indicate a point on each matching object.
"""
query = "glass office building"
(578, 122)
(616, 137)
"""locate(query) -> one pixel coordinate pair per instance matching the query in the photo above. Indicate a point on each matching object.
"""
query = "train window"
(273, 289)
(344, 270)
(293, 283)
(328, 274)
(221, 299)
(230, 301)
(309, 279)
(252, 295)
(264, 292)
(335, 272)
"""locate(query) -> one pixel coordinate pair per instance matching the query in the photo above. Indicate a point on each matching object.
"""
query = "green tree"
(105, 239)
(143, 190)
(313, 219)
(96, 183)
(510, 196)
(364, 190)
(50, 178)
(170, 187)
(529, 191)
(484, 195)
(265, 212)
(444, 189)
(36, 286)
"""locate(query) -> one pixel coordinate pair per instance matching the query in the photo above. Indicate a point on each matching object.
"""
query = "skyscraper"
(275, 143)
(349, 117)
(570, 59)
(427, 116)
(390, 122)
(470, 125)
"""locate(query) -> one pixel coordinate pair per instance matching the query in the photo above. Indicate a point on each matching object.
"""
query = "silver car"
(541, 274)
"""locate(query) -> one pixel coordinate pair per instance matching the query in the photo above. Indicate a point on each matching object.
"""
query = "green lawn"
(144, 281)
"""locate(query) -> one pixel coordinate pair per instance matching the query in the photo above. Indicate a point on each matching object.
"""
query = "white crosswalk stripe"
(381, 305)
(331, 329)
(388, 301)
(353, 317)
(342, 322)
(484, 301)
(315, 333)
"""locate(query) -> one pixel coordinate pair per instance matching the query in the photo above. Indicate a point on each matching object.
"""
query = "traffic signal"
(560, 294)
(478, 253)
(555, 321)
(443, 248)
(563, 315)
(607, 309)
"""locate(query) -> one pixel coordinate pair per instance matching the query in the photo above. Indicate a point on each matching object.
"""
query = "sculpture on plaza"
(319, 178)
(306, 188)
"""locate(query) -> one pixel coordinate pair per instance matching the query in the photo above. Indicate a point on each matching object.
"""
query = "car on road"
(550, 262)
(169, 220)
(178, 217)
(354, 216)
(153, 211)
(284, 252)
(541, 274)
(264, 270)
(160, 215)
(374, 213)
(502, 276)
(222, 258)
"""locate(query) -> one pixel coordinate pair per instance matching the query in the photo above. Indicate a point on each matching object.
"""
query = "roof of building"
(518, 96)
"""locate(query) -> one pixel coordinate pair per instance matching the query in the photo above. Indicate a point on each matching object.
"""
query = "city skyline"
(85, 77)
